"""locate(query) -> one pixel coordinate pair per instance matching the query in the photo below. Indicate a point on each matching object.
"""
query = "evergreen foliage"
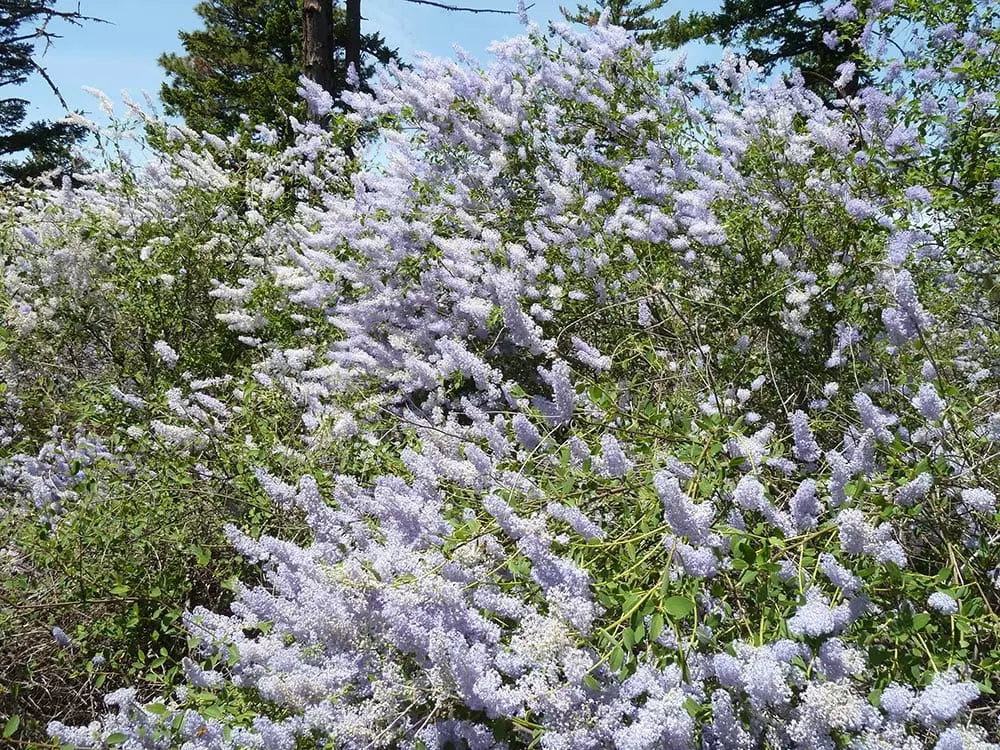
(801, 34)
(769, 32)
(637, 17)
(28, 150)
(245, 65)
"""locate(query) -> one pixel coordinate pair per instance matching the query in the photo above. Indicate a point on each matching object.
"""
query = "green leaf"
(213, 712)
(655, 626)
(120, 590)
(692, 707)
(920, 621)
(116, 739)
(202, 555)
(11, 726)
(157, 708)
(640, 633)
(616, 659)
(678, 607)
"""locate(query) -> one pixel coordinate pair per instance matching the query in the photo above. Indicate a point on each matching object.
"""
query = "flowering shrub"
(119, 465)
(631, 410)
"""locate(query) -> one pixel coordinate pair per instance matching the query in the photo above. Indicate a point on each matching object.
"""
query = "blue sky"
(121, 54)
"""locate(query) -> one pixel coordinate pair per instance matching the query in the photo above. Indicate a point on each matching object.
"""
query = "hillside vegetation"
(595, 406)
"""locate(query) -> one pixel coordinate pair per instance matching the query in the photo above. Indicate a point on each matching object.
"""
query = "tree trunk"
(317, 33)
(352, 44)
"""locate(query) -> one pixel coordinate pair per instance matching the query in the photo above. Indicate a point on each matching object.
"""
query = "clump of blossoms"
(43, 485)
(624, 514)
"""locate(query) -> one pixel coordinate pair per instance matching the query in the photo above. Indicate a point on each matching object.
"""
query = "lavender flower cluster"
(470, 286)
(44, 484)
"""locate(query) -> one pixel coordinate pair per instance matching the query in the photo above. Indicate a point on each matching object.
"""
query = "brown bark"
(317, 40)
(352, 44)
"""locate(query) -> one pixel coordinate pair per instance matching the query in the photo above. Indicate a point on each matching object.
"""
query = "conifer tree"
(634, 16)
(28, 150)
(247, 61)
(770, 32)
(775, 32)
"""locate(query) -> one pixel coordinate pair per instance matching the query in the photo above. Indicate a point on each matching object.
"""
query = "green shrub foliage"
(597, 406)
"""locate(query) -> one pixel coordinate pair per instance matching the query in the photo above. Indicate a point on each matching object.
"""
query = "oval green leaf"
(11, 726)
(678, 607)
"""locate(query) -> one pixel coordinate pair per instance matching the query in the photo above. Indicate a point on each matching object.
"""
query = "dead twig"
(464, 9)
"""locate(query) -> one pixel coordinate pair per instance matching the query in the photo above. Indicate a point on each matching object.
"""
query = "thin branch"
(41, 31)
(71, 16)
(468, 10)
(38, 33)
(55, 89)
(79, 603)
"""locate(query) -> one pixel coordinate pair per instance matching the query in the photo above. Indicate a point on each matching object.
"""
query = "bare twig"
(55, 89)
(465, 9)
(76, 603)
